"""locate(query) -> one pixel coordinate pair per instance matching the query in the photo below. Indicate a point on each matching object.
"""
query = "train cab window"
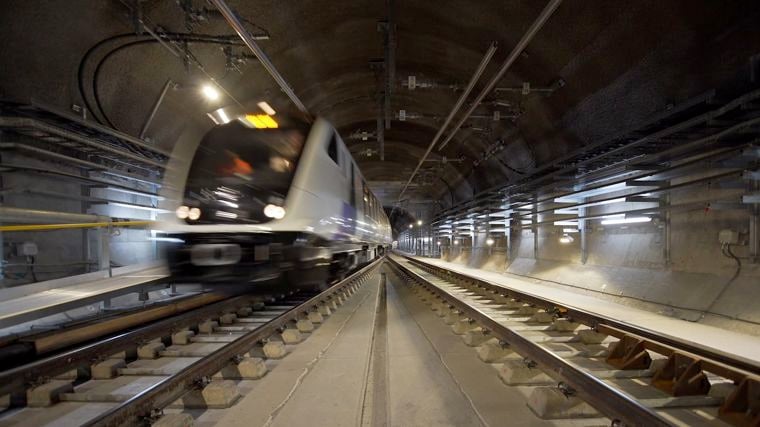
(332, 149)
(237, 171)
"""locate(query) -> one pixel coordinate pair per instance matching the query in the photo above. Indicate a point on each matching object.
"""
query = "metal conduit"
(473, 80)
(521, 45)
(235, 23)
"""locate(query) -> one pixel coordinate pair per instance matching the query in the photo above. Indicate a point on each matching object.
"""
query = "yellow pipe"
(51, 227)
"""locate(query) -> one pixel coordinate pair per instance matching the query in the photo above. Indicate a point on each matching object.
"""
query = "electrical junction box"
(26, 249)
(728, 237)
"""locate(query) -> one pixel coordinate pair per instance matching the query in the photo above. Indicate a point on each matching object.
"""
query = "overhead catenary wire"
(518, 49)
(237, 25)
(473, 80)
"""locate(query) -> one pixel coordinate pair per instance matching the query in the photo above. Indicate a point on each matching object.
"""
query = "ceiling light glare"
(566, 239)
(210, 92)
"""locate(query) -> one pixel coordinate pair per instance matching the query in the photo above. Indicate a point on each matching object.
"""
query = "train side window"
(332, 149)
(352, 196)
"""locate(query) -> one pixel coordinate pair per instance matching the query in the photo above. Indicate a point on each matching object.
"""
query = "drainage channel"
(135, 376)
(576, 371)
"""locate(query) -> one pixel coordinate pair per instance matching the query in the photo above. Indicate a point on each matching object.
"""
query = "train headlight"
(183, 212)
(194, 214)
(274, 211)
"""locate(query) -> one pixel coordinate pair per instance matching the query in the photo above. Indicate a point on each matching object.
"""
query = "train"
(271, 200)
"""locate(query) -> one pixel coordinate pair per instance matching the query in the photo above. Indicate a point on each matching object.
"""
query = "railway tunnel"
(490, 213)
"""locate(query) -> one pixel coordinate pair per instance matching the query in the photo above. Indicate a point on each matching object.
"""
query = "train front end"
(236, 190)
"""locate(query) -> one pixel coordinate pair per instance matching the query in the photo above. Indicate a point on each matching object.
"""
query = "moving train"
(268, 200)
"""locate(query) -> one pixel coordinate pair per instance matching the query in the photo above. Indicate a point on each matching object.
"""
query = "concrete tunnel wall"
(626, 264)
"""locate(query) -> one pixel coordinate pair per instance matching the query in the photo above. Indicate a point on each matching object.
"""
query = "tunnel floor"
(383, 359)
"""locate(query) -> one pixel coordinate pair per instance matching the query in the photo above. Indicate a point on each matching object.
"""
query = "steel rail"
(162, 394)
(605, 398)
(236, 25)
(722, 364)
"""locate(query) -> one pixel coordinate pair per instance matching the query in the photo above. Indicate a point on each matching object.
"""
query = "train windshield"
(238, 171)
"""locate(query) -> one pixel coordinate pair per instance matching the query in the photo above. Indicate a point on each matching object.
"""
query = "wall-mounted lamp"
(419, 222)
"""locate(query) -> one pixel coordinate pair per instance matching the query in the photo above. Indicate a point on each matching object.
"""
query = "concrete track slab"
(494, 403)
(319, 382)
(160, 366)
(64, 414)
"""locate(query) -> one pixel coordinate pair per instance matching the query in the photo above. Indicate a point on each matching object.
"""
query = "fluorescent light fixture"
(632, 220)
(566, 223)
(578, 197)
(266, 108)
(138, 207)
(223, 116)
(574, 209)
(230, 204)
(569, 230)
(210, 92)
(136, 193)
(166, 239)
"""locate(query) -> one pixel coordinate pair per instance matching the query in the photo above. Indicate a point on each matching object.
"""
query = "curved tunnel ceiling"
(618, 62)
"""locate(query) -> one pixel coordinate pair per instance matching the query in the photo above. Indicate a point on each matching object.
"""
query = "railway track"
(582, 365)
(187, 360)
